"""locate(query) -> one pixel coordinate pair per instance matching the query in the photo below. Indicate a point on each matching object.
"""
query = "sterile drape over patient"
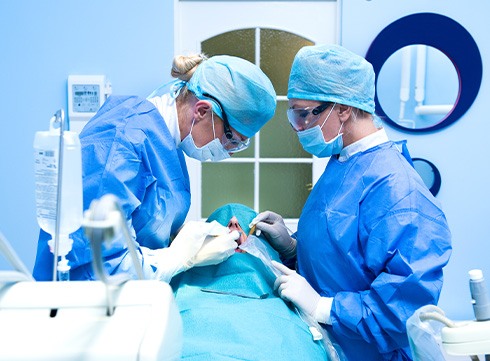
(230, 310)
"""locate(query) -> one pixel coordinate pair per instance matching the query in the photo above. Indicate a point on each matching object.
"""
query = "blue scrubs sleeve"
(409, 275)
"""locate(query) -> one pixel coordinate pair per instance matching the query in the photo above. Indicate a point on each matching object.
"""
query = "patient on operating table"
(230, 310)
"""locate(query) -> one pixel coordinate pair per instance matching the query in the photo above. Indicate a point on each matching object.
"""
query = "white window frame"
(198, 20)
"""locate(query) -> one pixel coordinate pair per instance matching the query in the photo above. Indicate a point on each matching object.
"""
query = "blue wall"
(459, 151)
(41, 43)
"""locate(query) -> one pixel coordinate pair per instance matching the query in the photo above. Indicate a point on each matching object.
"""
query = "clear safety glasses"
(304, 118)
(230, 141)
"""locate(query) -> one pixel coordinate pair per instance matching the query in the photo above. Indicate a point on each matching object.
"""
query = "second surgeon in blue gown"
(133, 148)
(372, 241)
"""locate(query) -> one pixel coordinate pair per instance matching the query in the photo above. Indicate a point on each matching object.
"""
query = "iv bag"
(46, 165)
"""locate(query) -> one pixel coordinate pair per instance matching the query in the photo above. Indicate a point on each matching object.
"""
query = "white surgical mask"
(314, 143)
(213, 151)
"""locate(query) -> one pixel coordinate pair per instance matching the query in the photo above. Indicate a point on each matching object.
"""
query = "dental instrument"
(253, 226)
(260, 297)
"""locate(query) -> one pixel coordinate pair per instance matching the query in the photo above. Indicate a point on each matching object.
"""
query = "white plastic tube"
(433, 109)
(420, 74)
(405, 79)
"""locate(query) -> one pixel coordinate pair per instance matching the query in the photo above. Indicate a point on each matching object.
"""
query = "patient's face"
(234, 225)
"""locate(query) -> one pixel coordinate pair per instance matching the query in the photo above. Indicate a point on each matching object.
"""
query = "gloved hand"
(294, 288)
(276, 233)
(215, 249)
(197, 244)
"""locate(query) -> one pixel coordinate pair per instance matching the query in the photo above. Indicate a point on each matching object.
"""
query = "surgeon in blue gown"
(133, 148)
(372, 241)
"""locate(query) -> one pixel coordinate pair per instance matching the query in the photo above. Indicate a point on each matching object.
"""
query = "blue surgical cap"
(244, 215)
(331, 73)
(243, 90)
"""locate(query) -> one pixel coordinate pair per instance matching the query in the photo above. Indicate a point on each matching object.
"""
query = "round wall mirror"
(431, 31)
(429, 174)
(417, 87)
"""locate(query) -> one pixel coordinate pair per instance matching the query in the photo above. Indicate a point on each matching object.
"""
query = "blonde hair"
(184, 66)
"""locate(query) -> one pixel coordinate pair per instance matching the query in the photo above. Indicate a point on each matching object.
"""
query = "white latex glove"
(295, 288)
(276, 232)
(215, 249)
(198, 243)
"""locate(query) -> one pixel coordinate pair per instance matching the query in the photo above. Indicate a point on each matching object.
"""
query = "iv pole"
(59, 118)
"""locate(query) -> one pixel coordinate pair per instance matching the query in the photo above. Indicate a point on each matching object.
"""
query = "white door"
(274, 173)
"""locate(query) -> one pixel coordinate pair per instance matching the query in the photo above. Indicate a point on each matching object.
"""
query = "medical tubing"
(438, 315)
(255, 248)
(99, 226)
(480, 297)
(333, 353)
(7, 250)
(104, 214)
(59, 116)
(130, 243)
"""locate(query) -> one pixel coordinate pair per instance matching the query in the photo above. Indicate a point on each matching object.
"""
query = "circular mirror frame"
(444, 34)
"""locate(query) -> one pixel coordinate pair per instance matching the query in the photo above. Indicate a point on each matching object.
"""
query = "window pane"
(277, 51)
(226, 183)
(239, 43)
(284, 188)
(277, 138)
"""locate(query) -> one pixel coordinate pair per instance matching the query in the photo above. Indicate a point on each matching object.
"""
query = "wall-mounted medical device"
(86, 94)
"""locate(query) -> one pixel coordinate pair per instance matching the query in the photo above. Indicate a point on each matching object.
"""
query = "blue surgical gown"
(128, 151)
(373, 237)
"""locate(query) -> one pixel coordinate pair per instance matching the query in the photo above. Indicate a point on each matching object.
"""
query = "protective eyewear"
(304, 118)
(231, 141)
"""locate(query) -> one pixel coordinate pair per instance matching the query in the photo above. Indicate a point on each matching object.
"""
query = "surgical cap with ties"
(244, 92)
(331, 73)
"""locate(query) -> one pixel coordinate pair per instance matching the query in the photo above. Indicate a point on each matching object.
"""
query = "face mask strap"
(192, 125)
(212, 120)
(341, 125)
(328, 116)
(354, 113)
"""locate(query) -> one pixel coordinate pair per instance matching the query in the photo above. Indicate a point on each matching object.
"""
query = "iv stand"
(59, 118)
